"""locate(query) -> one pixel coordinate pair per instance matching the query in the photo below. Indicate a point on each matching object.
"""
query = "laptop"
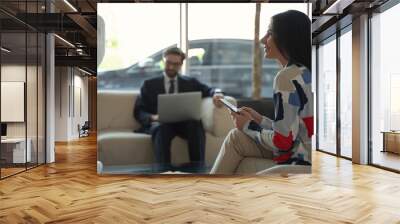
(179, 107)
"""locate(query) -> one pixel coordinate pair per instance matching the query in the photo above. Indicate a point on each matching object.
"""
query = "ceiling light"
(338, 6)
(79, 51)
(70, 5)
(64, 40)
(86, 72)
(5, 50)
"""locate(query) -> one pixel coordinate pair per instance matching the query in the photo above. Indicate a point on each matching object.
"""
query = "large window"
(346, 93)
(385, 88)
(220, 48)
(327, 96)
(135, 36)
(228, 52)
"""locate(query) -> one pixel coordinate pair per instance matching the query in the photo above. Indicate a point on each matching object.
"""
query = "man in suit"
(163, 133)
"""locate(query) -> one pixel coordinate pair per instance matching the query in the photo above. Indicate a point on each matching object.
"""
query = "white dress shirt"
(167, 83)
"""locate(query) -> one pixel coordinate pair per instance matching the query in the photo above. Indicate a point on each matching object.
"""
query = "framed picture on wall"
(12, 101)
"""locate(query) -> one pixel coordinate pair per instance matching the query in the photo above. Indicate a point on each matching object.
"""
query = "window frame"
(333, 37)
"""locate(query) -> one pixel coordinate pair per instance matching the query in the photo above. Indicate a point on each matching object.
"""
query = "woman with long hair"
(287, 138)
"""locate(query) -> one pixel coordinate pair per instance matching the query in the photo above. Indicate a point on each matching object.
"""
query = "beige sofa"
(118, 145)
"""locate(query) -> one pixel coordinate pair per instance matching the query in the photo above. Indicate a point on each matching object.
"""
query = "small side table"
(391, 141)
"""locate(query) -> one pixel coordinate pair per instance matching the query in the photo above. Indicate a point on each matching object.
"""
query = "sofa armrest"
(216, 121)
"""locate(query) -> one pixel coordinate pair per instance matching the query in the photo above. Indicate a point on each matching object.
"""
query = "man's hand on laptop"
(216, 100)
(154, 117)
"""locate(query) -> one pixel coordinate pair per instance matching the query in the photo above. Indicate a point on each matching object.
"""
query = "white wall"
(70, 83)
(12, 73)
(80, 109)
(80, 118)
(61, 103)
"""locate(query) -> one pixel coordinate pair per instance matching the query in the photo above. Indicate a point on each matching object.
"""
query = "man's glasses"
(175, 64)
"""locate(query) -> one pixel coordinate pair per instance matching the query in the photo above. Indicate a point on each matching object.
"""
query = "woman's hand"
(254, 114)
(216, 100)
(241, 118)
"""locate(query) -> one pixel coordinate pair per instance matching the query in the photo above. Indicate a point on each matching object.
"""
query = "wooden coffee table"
(391, 141)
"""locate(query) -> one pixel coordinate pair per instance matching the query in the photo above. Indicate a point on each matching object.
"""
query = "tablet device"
(230, 106)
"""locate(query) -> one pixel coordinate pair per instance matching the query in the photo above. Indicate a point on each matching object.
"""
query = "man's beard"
(171, 73)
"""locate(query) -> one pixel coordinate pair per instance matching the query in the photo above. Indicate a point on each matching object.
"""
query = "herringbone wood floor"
(70, 191)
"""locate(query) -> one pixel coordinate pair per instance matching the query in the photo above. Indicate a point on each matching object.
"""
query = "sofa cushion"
(123, 146)
(216, 121)
(115, 110)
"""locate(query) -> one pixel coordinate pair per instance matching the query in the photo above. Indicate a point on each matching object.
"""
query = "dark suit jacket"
(146, 103)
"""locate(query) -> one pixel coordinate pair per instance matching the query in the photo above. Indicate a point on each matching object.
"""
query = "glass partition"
(22, 91)
(14, 151)
(327, 96)
(385, 89)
